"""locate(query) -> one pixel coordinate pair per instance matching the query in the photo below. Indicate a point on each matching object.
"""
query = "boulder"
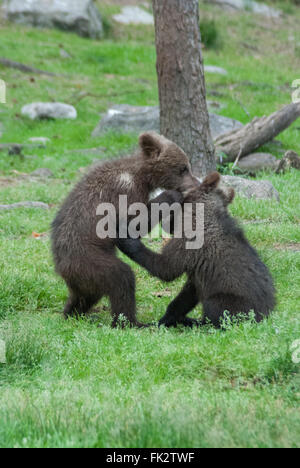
(248, 5)
(80, 16)
(97, 151)
(42, 140)
(256, 162)
(219, 125)
(125, 119)
(17, 148)
(134, 15)
(49, 110)
(42, 173)
(64, 54)
(257, 189)
(215, 70)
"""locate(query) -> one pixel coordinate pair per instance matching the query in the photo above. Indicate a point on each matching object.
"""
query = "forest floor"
(72, 384)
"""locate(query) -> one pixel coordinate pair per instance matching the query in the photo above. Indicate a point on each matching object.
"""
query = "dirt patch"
(295, 247)
(7, 182)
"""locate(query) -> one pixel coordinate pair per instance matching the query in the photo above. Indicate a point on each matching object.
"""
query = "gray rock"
(97, 151)
(26, 204)
(258, 189)
(43, 173)
(125, 119)
(80, 16)
(248, 5)
(258, 162)
(42, 140)
(219, 125)
(215, 70)
(49, 110)
(17, 148)
(134, 15)
(64, 54)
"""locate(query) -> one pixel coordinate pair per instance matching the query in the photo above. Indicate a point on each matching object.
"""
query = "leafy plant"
(209, 33)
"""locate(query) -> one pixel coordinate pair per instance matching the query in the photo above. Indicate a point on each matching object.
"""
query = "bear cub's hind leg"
(78, 305)
(184, 303)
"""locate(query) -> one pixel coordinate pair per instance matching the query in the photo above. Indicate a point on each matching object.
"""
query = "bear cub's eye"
(184, 170)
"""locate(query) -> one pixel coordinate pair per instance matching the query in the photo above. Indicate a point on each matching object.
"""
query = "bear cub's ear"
(230, 195)
(151, 144)
(211, 181)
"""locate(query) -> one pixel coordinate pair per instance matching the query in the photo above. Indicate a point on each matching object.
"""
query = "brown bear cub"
(89, 264)
(225, 274)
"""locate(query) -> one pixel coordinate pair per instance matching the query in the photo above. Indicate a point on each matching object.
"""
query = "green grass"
(73, 384)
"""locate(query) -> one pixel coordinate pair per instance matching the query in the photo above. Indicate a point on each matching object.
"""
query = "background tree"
(183, 110)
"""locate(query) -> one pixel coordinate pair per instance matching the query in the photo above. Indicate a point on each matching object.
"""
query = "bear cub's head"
(167, 165)
(212, 191)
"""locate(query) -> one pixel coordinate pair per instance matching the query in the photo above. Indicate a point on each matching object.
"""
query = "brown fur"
(226, 274)
(89, 264)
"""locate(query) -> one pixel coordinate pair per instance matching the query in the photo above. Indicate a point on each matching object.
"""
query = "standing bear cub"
(225, 274)
(89, 264)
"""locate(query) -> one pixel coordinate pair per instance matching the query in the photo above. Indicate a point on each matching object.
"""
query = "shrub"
(209, 33)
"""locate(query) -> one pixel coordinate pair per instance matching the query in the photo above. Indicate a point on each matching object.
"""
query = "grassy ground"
(73, 384)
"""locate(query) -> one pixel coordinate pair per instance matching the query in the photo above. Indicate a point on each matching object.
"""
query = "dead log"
(258, 132)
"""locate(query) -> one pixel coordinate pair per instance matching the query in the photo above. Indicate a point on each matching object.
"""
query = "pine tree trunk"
(182, 95)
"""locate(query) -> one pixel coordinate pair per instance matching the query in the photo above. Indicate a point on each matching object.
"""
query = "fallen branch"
(258, 132)
(25, 68)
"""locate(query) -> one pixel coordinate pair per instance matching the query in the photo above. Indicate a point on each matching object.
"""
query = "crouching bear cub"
(226, 274)
(89, 264)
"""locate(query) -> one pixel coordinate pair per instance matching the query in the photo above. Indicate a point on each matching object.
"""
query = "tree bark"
(183, 110)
